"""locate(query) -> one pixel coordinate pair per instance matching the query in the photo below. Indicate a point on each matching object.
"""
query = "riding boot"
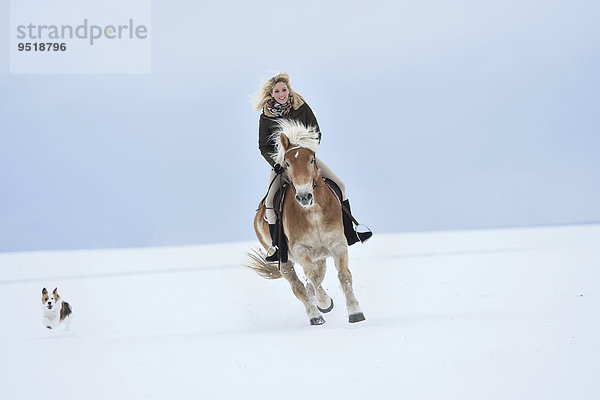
(280, 246)
(351, 235)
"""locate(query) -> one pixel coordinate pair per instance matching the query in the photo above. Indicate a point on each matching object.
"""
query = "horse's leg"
(316, 274)
(288, 272)
(355, 314)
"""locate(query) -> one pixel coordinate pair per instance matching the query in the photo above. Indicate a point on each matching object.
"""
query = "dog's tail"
(65, 311)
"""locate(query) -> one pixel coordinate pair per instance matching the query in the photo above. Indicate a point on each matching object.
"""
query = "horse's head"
(301, 167)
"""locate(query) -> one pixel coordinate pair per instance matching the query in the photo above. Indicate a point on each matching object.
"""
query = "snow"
(496, 314)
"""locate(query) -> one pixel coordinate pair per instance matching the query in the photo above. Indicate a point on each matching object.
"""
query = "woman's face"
(280, 92)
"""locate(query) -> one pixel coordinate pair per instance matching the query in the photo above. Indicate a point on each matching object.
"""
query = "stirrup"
(364, 234)
(273, 258)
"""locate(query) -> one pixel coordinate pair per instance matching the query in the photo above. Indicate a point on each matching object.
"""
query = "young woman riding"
(276, 100)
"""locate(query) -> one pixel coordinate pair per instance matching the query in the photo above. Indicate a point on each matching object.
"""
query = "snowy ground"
(500, 314)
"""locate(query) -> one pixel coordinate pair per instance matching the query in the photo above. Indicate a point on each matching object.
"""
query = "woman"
(277, 100)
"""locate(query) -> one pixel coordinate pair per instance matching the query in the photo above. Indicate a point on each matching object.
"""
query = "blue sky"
(437, 115)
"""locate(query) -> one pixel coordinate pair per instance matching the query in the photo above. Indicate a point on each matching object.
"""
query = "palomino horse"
(312, 221)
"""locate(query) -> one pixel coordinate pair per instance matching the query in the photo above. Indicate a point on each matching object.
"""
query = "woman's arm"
(312, 120)
(264, 144)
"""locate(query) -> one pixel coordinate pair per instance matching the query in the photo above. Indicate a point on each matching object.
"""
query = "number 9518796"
(42, 46)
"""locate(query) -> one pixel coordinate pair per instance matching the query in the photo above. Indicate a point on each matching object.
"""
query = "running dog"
(55, 311)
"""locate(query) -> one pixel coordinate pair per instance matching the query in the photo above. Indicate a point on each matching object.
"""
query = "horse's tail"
(260, 266)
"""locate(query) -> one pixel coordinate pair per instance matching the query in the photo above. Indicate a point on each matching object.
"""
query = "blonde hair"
(264, 93)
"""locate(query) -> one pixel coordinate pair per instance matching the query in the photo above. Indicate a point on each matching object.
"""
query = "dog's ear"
(55, 290)
(44, 291)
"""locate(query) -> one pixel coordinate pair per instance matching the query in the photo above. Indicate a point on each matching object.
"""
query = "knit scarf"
(280, 110)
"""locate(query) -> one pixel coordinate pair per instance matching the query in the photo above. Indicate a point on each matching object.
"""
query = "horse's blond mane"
(298, 134)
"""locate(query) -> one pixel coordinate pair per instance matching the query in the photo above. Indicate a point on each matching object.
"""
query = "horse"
(312, 221)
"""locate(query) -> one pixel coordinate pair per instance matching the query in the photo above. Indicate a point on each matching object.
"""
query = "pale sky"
(438, 116)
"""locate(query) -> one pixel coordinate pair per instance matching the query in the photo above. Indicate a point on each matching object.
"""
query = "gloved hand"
(278, 169)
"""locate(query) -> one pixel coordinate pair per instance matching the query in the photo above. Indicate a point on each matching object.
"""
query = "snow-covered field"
(496, 314)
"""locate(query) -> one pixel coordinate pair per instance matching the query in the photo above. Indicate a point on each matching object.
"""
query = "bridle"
(286, 179)
(314, 185)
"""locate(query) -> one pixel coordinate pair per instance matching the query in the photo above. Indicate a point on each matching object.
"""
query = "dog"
(55, 311)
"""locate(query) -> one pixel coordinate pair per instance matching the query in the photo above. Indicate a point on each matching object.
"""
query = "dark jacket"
(268, 125)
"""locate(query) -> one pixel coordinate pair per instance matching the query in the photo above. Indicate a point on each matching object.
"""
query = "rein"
(269, 188)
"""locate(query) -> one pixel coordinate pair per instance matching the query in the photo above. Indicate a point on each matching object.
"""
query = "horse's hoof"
(357, 317)
(326, 310)
(317, 321)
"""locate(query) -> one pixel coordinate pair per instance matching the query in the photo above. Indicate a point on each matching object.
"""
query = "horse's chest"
(310, 232)
(315, 219)
(315, 234)
(314, 225)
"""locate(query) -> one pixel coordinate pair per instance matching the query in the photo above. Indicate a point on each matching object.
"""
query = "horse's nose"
(305, 199)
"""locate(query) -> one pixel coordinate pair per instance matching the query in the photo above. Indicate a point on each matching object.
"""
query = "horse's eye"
(312, 161)
(287, 164)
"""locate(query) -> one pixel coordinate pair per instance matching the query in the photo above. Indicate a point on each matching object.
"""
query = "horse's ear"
(285, 142)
